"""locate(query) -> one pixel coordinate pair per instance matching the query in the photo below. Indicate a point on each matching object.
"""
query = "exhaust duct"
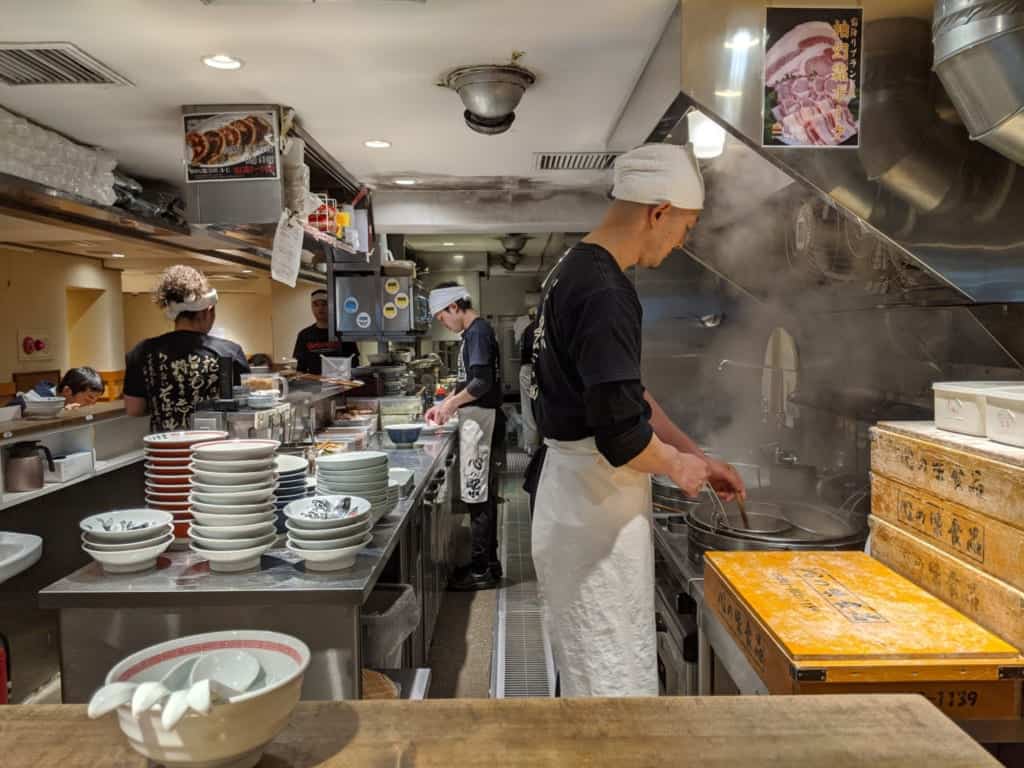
(979, 56)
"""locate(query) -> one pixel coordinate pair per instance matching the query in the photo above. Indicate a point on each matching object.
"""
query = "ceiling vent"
(53, 64)
(574, 161)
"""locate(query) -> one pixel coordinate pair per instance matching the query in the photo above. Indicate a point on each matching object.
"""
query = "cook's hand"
(69, 406)
(690, 473)
(725, 480)
(440, 414)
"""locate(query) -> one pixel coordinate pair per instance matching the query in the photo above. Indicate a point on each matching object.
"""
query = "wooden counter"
(69, 418)
(827, 731)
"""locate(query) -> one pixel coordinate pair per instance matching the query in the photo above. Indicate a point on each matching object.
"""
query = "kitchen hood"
(917, 215)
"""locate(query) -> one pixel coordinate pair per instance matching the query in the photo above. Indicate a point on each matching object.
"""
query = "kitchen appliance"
(23, 470)
(357, 304)
(403, 305)
(273, 423)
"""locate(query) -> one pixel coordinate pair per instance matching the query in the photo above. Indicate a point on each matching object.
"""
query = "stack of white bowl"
(168, 475)
(232, 499)
(44, 407)
(127, 540)
(291, 484)
(329, 532)
(360, 473)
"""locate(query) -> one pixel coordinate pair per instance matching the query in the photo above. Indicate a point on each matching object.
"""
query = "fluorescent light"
(377, 144)
(458, 256)
(246, 271)
(222, 61)
(405, 182)
(707, 136)
(729, 94)
(742, 40)
(448, 244)
(117, 255)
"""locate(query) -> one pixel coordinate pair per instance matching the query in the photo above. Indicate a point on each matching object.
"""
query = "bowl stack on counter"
(233, 487)
(127, 540)
(291, 484)
(361, 473)
(329, 532)
(168, 475)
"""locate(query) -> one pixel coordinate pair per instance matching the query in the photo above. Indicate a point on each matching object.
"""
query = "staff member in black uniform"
(477, 398)
(312, 341)
(605, 435)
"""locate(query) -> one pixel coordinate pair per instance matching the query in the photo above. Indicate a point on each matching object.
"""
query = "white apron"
(594, 556)
(476, 428)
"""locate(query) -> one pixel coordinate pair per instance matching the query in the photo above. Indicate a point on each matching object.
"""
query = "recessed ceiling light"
(742, 40)
(377, 144)
(246, 271)
(405, 182)
(117, 255)
(448, 244)
(222, 61)
(458, 256)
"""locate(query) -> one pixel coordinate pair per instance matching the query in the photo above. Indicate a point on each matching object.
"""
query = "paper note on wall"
(287, 252)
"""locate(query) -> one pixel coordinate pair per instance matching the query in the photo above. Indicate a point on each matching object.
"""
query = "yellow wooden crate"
(841, 622)
(980, 475)
(990, 545)
(992, 603)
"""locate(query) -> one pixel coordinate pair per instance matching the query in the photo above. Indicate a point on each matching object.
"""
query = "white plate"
(183, 439)
(238, 498)
(107, 527)
(337, 490)
(159, 534)
(236, 449)
(256, 530)
(204, 477)
(356, 538)
(215, 465)
(130, 561)
(233, 509)
(231, 545)
(231, 562)
(224, 521)
(353, 460)
(208, 488)
(331, 559)
(300, 511)
(340, 531)
(373, 484)
(367, 473)
(286, 464)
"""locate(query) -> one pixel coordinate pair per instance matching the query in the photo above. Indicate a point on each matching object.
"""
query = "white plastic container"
(1004, 415)
(960, 405)
(69, 467)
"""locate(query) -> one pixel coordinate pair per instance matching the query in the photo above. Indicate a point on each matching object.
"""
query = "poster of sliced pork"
(812, 74)
(228, 146)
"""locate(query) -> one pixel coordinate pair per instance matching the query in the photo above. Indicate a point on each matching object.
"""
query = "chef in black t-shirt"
(605, 435)
(312, 341)
(477, 398)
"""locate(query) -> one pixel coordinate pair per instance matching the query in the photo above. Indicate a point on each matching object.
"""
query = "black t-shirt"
(313, 342)
(479, 356)
(177, 371)
(586, 359)
(526, 344)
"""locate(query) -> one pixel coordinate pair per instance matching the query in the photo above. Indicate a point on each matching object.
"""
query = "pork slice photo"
(804, 50)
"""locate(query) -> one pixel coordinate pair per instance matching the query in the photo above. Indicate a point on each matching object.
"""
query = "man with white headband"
(605, 435)
(168, 376)
(477, 398)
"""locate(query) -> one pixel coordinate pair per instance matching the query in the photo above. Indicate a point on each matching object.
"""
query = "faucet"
(779, 454)
(723, 363)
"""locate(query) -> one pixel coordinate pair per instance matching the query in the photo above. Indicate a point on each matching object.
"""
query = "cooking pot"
(23, 470)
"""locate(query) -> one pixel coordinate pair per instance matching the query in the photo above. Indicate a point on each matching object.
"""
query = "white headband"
(660, 173)
(440, 298)
(205, 301)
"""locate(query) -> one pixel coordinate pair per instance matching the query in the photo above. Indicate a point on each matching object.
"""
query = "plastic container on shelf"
(960, 405)
(1004, 415)
(389, 617)
(336, 367)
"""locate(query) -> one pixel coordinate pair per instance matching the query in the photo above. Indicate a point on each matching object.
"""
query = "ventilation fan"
(513, 245)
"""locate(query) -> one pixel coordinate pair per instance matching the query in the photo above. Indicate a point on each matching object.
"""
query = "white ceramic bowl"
(230, 544)
(352, 460)
(232, 532)
(232, 561)
(240, 465)
(112, 527)
(286, 464)
(233, 734)
(159, 534)
(359, 485)
(232, 509)
(366, 473)
(182, 439)
(267, 484)
(331, 559)
(342, 531)
(356, 539)
(129, 561)
(302, 512)
(225, 521)
(204, 477)
(236, 498)
(236, 450)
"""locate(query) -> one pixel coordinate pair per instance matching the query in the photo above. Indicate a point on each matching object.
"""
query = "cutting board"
(816, 622)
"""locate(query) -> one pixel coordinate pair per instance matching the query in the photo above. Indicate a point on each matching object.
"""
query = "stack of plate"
(232, 499)
(329, 532)
(361, 473)
(168, 475)
(291, 484)
(128, 540)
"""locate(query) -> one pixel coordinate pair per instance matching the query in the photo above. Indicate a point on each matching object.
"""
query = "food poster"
(228, 146)
(812, 74)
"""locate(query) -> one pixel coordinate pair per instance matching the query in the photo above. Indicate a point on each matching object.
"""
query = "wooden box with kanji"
(842, 622)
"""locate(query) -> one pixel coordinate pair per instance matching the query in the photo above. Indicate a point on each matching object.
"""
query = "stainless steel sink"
(18, 552)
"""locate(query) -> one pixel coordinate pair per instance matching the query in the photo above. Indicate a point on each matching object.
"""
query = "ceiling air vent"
(53, 64)
(574, 161)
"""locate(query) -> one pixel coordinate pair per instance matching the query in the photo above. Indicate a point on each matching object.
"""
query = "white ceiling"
(353, 70)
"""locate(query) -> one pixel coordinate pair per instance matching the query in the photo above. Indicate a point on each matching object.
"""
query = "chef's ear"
(656, 213)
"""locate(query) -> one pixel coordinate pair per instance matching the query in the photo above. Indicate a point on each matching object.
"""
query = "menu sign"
(229, 146)
(812, 74)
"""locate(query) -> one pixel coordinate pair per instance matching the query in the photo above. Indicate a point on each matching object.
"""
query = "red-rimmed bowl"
(163, 470)
(234, 733)
(169, 506)
(182, 439)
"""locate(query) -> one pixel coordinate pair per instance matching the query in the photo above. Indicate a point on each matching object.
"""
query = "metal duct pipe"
(979, 56)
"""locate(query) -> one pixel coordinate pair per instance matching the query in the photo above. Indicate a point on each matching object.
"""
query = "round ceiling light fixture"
(405, 182)
(490, 93)
(377, 144)
(222, 61)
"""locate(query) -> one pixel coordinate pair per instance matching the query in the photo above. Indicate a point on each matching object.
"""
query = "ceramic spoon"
(110, 697)
(221, 674)
(151, 693)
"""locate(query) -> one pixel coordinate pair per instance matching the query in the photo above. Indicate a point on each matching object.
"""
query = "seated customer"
(80, 386)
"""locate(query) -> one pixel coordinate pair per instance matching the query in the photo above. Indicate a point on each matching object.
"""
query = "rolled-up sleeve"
(620, 418)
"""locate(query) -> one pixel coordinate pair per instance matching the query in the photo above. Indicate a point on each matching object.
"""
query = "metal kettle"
(23, 470)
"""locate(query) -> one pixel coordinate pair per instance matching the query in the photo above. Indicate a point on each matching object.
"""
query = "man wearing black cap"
(313, 341)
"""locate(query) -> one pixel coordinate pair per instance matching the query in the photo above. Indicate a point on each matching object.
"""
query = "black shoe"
(473, 582)
(496, 570)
